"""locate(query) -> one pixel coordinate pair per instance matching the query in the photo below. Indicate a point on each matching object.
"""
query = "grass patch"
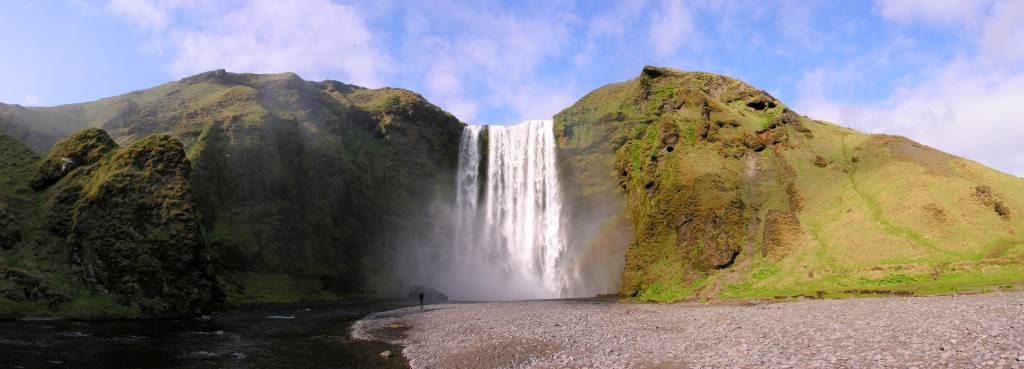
(272, 288)
(96, 307)
(667, 292)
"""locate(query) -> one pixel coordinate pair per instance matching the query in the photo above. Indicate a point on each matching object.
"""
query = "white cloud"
(150, 15)
(1002, 34)
(939, 12)
(311, 38)
(314, 38)
(482, 56)
(963, 110)
(671, 27)
(798, 25)
(968, 106)
(466, 57)
(30, 100)
(995, 26)
(609, 25)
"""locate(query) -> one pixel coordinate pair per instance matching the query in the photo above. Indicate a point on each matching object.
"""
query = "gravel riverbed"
(984, 330)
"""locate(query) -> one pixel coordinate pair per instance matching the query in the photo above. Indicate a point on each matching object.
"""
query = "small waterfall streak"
(468, 186)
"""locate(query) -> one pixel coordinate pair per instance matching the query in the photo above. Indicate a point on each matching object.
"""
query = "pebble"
(857, 333)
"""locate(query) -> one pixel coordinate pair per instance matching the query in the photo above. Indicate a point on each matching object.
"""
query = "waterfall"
(467, 186)
(509, 239)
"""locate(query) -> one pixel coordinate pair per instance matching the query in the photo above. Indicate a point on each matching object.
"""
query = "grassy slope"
(294, 179)
(885, 215)
(908, 221)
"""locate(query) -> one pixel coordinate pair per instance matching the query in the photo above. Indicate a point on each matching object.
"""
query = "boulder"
(82, 149)
(820, 162)
(132, 230)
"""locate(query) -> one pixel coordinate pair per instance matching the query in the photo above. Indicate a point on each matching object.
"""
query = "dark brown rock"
(753, 142)
(820, 162)
(1002, 209)
(989, 199)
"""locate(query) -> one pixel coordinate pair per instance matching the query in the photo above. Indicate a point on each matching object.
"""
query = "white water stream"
(510, 239)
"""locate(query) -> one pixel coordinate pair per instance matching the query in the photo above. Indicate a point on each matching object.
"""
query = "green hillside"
(728, 193)
(227, 189)
(295, 182)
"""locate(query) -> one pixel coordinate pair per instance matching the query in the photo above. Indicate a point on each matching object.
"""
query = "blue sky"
(949, 73)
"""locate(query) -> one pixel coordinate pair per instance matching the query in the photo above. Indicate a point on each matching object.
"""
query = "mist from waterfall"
(507, 239)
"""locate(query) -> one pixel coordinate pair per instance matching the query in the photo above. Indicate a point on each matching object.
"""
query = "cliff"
(292, 183)
(729, 193)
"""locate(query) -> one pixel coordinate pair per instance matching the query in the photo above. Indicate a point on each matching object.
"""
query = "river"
(293, 336)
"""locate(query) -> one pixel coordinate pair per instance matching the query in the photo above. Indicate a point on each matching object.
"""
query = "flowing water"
(299, 336)
(509, 240)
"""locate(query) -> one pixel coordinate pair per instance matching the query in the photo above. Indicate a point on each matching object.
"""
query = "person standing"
(421, 300)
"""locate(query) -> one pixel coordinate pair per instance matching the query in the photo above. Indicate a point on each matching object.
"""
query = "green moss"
(766, 271)
(273, 288)
(95, 307)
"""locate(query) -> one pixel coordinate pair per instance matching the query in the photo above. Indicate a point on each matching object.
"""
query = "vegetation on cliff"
(729, 193)
(294, 182)
(247, 188)
(111, 232)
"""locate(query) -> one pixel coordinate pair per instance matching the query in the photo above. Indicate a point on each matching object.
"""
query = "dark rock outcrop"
(19, 285)
(132, 230)
(989, 199)
(820, 162)
(81, 149)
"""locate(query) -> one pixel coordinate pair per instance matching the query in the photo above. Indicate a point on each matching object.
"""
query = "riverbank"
(935, 331)
(299, 336)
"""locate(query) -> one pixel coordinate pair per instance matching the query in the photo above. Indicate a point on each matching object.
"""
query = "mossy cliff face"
(130, 226)
(298, 184)
(728, 193)
(10, 232)
(677, 146)
(318, 177)
(81, 149)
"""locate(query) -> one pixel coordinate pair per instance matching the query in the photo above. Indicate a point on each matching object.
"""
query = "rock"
(81, 149)
(132, 230)
(753, 142)
(1001, 209)
(820, 162)
(386, 354)
(761, 102)
(23, 286)
(988, 198)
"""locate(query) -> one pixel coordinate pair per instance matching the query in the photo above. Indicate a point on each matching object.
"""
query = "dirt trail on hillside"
(940, 331)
